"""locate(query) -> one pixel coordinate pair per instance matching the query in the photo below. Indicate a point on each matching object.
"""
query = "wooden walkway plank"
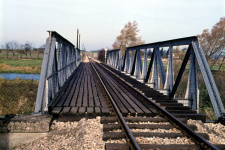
(74, 110)
(119, 88)
(142, 105)
(65, 110)
(62, 100)
(90, 110)
(100, 95)
(123, 105)
(82, 110)
(105, 110)
(85, 95)
(75, 95)
(97, 110)
(97, 102)
(69, 97)
(90, 94)
(134, 103)
(80, 94)
(56, 110)
(60, 95)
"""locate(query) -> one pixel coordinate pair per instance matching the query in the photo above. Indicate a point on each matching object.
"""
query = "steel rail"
(200, 141)
(128, 134)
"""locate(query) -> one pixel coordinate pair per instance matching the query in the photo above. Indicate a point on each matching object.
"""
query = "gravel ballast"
(216, 131)
(88, 133)
(85, 134)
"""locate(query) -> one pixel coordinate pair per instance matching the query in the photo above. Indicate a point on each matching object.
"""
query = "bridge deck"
(82, 94)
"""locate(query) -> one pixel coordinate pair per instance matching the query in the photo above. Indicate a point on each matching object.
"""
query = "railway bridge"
(128, 89)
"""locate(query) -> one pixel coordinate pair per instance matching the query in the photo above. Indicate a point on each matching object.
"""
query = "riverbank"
(17, 96)
(26, 66)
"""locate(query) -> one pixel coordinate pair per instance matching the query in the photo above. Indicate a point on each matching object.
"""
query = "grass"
(205, 105)
(29, 66)
(216, 67)
(17, 96)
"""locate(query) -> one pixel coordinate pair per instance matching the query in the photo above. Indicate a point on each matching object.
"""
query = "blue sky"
(100, 21)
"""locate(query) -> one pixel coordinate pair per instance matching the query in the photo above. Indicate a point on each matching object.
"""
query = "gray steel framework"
(133, 66)
(60, 61)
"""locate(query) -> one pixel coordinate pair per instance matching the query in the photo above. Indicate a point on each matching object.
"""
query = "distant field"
(20, 66)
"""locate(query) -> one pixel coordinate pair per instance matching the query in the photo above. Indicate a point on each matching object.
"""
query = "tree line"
(13, 49)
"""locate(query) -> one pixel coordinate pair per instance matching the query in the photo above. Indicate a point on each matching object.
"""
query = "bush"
(17, 96)
(101, 55)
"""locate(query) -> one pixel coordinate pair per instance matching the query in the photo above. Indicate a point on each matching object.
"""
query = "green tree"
(128, 37)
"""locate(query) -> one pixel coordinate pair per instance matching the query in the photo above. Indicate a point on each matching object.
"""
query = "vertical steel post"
(48, 90)
(192, 85)
(138, 64)
(79, 41)
(77, 37)
(131, 61)
(160, 64)
(170, 72)
(60, 63)
(127, 62)
(120, 62)
(117, 59)
(64, 61)
(144, 69)
(43, 76)
(155, 76)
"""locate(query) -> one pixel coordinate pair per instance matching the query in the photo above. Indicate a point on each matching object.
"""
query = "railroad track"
(158, 129)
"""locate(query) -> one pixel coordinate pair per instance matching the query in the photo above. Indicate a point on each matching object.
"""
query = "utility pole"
(79, 41)
(77, 37)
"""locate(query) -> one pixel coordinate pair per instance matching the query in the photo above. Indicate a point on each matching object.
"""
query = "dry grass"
(9, 69)
(32, 66)
(17, 96)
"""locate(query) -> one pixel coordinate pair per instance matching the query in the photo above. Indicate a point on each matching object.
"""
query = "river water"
(11, 76)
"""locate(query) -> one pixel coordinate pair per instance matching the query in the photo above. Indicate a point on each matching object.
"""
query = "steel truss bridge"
(75, 87)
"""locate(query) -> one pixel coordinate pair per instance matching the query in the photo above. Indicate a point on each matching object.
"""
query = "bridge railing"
(60, 61)
(133, 66)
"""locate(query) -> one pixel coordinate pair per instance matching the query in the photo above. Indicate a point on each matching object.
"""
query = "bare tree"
(11, 46)
(213, 42)
(128, 37)
(28, 46)
(21, 50)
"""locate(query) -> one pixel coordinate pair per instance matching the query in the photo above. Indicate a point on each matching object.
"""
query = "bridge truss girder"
(132, 65)
(60, 61)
